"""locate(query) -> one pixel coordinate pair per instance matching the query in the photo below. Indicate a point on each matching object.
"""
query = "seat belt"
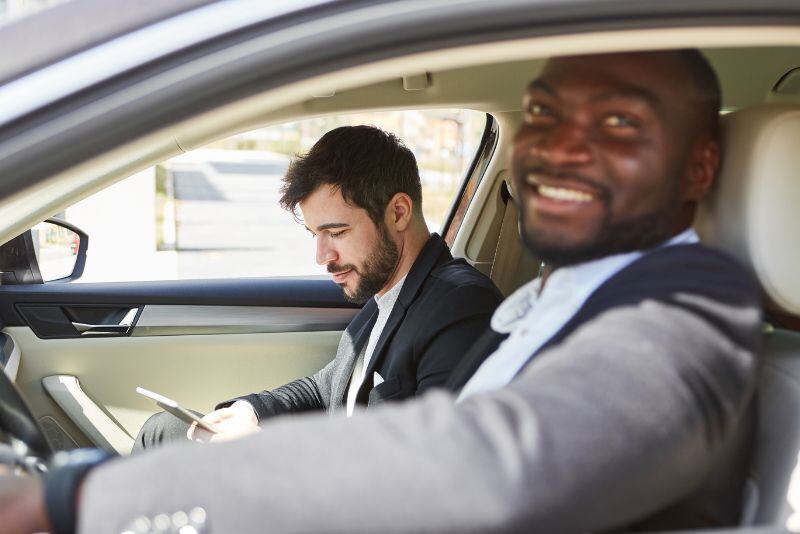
(507, 252)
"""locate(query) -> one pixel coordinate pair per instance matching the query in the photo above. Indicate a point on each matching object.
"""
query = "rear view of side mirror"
(51, 251)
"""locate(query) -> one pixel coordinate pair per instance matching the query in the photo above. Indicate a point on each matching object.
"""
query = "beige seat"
(754, 213)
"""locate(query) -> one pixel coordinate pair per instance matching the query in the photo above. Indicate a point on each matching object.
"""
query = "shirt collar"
(386, 301)
(570, 283)
(687, 237)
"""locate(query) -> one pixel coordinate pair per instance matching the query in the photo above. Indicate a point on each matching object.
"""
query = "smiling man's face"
(602, 160)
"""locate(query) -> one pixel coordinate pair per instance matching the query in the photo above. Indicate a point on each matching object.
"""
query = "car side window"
(213, 212)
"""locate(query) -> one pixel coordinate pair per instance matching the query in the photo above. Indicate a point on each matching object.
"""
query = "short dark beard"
(379, 266)
(614, 237)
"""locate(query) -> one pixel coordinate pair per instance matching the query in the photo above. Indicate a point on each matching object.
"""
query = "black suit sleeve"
(301, 395)
(460, 319)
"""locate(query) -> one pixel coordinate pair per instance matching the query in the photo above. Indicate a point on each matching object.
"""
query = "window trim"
(472, 179)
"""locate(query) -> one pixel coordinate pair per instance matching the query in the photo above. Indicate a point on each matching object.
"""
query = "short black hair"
(706, 91)
(368, 165)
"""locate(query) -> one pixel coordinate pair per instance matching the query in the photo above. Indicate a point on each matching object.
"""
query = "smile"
(563, 194)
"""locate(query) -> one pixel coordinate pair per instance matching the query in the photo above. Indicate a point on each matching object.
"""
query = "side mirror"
(51, 251)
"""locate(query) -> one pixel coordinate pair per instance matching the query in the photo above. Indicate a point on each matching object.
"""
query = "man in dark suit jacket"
(360, 196)
(624, 404)
(443, 306)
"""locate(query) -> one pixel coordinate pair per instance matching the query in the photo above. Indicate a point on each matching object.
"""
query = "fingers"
(190, 431)
(225, 419)
(217, 416)
(235, 421)
(236, 433)
(199, 434)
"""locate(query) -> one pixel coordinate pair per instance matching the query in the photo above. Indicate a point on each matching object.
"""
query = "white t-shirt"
(385, 303)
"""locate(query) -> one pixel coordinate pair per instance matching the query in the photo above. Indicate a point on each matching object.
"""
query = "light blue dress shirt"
(532, 314)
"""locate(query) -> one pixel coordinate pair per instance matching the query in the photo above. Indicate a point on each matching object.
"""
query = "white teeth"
(558, 193)
(561, 193)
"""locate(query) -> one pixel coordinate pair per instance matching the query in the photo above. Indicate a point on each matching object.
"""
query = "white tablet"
(175, 409)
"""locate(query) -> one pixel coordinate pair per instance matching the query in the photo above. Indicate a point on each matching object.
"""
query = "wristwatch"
(62, 483)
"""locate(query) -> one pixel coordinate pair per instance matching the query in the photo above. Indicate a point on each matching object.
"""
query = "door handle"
(119, 329)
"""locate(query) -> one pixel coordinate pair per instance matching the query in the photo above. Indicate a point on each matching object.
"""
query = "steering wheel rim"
(17, 420)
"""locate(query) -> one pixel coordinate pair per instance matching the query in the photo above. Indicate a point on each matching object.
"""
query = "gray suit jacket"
(630, 414)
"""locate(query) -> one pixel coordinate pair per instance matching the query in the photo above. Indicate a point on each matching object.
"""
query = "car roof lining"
(476, 87)
(378, 86)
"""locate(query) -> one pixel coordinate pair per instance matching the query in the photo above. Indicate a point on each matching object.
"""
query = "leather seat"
(754, 213)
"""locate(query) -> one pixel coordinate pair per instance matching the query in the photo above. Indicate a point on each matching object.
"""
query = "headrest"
(754, 209)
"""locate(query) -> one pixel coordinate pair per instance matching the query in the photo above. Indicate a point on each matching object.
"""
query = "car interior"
(199, 347)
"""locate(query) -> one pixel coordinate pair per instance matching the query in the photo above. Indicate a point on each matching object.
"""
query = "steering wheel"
(17, 421)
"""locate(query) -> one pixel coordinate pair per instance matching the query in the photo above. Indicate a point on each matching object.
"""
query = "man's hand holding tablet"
(175, 409)
(237, 420)
(224, 424)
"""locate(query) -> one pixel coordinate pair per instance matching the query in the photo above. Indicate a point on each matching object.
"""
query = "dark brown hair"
(368, 165)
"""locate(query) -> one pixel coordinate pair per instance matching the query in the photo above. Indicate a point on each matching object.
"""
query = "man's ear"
(399, 212)
(703, 170)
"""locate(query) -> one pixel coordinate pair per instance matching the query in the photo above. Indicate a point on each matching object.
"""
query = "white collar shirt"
(532, 315)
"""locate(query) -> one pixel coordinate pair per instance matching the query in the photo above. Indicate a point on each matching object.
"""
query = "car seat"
(754, 213)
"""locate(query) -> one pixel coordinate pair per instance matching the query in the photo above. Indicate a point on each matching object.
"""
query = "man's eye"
(539, 109)
(619, 121)
(337, 234)
(535, 112)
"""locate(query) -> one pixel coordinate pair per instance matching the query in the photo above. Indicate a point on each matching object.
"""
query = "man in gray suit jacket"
(360, 196)
(619, 395)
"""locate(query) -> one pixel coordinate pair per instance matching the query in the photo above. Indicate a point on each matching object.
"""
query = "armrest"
(87, 415)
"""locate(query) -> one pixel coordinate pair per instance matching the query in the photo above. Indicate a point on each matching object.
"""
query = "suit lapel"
(395, 319)
(351, 344)
(434, 253)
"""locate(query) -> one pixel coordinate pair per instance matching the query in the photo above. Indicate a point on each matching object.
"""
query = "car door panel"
(55, 321)
(197, 342)
(196, 370)
(165, 320)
